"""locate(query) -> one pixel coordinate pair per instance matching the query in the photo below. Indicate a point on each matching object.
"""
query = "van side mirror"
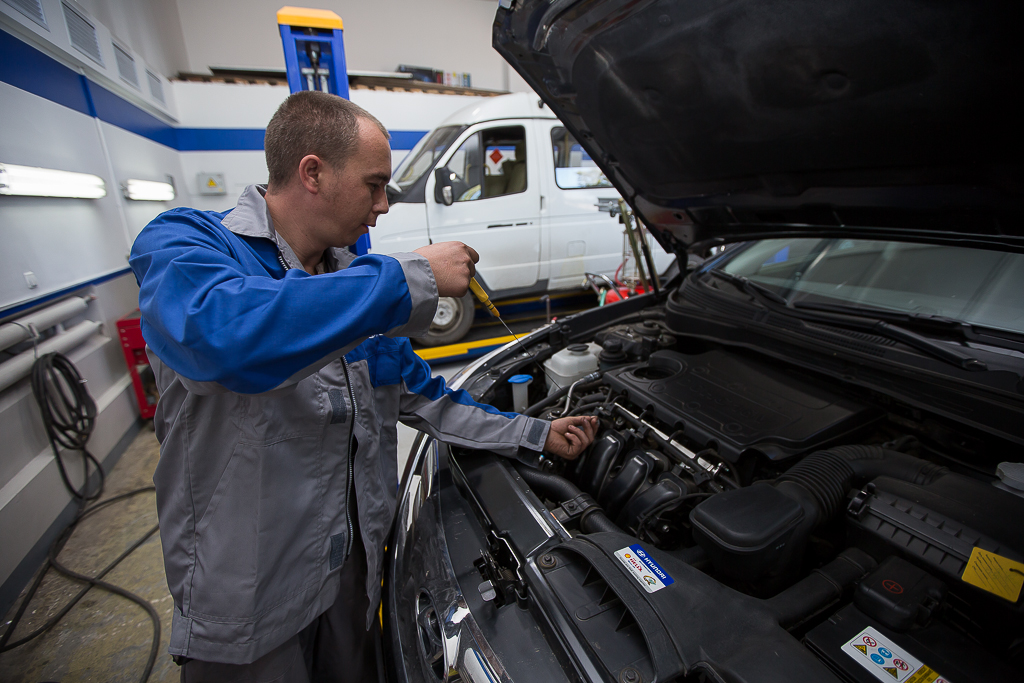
(443, 186)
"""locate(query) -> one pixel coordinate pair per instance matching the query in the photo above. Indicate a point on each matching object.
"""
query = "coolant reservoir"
(570, 364)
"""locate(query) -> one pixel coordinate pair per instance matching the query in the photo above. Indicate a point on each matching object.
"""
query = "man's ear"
(311, 169)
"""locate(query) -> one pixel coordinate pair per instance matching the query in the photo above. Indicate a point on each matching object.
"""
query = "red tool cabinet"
(133, 346)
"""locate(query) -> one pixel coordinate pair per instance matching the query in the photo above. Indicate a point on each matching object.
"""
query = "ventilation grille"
(156, 88)
(82, 33)
(126, 66)
(33, 9)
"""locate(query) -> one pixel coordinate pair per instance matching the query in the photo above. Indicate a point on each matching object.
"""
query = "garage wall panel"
(133, 156)
(62, 241)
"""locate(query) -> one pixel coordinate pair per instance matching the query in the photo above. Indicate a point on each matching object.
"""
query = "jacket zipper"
(351, 436)
(351, 456)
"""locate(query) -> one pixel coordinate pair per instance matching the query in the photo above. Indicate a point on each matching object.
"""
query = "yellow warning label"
(995, 574)
(923, 675)
(211, 183)
(863, 649)
(891, 670)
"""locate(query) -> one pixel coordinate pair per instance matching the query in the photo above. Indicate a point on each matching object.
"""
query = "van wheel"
(451, 322)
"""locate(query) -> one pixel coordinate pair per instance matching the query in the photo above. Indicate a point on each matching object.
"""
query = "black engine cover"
(736, 403)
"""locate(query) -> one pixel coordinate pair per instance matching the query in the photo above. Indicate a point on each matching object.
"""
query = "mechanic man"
(283, 369)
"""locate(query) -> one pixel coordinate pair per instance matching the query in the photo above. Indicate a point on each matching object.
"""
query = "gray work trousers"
(334, 648)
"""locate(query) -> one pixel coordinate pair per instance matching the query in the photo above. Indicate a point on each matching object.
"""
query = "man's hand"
(570, 436)
(452, 263)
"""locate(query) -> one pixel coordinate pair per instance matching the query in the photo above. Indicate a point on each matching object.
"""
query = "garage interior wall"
(449, 35)
(61, 110)
(193, 35)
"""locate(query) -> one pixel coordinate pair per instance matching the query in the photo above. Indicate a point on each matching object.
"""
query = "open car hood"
(885, 119)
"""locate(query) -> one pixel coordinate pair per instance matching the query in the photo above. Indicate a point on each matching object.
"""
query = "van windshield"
(421, 159)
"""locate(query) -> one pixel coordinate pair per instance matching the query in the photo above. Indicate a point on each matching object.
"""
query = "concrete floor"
(106, 638)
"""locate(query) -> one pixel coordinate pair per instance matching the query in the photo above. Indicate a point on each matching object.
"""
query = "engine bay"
(860, 525)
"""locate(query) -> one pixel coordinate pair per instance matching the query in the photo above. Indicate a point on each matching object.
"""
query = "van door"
(496, 208)
(581, 238)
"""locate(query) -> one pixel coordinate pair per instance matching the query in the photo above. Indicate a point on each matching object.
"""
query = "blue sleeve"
(418, 380)
(209, 318)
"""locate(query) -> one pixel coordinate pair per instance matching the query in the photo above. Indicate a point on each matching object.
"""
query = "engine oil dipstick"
(480, 294)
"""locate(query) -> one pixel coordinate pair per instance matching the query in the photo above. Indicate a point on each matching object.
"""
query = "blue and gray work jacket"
(277, 389)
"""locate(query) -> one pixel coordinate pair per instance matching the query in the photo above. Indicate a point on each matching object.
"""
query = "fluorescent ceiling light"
(47, 182)
(148, 190)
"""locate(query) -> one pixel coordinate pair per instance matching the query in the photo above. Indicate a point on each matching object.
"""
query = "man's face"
(354, 195)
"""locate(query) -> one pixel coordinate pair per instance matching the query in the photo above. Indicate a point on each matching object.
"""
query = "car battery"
(860, 650)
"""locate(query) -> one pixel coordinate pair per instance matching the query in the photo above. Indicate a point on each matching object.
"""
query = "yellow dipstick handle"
(479, 292)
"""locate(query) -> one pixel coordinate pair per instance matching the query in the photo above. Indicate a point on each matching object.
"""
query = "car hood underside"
(739, 120)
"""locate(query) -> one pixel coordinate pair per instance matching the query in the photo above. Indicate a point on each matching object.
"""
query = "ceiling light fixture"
(31, 181)
(148, 190)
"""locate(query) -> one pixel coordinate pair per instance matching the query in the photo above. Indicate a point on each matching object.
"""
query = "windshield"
(972, 285)
(421, 159)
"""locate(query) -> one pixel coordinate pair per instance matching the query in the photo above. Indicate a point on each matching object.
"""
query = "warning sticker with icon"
(886, 660)
(211, 183)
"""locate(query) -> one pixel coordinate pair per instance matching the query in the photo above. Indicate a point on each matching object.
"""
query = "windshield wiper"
(867, 319)
(871, 319)
(752, 288)
(933, 322)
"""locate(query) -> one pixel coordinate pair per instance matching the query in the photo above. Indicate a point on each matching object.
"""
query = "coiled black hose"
(69, 415)
(561, 489)
(828, 475)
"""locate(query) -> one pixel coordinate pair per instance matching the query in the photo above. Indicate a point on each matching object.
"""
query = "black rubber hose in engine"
(561, 489)
(827, 475)
(821, 588)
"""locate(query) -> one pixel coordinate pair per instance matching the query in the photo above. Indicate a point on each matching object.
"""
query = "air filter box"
(746, 532)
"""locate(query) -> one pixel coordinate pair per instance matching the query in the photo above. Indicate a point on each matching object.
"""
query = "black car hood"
(733, 120)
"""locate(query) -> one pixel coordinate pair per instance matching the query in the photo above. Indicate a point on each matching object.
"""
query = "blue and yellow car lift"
(314, 50)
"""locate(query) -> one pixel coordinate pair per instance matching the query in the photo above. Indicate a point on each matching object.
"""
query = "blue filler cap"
(520, 379)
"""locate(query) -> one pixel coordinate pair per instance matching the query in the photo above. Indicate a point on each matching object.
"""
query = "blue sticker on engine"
(648, 572)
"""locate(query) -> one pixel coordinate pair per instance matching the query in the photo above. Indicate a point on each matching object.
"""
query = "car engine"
(799, 510)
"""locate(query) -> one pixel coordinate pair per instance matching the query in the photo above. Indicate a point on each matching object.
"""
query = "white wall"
(65, 243)
(450, 35)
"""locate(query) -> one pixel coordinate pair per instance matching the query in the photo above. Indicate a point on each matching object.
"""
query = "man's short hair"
(312, 122)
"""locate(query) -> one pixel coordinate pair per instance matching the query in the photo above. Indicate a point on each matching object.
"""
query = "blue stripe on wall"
(25, 67)
(406, 139)
(220, 139)
(118, 112)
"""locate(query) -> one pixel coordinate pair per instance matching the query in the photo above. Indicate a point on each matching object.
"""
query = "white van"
(517, 187)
